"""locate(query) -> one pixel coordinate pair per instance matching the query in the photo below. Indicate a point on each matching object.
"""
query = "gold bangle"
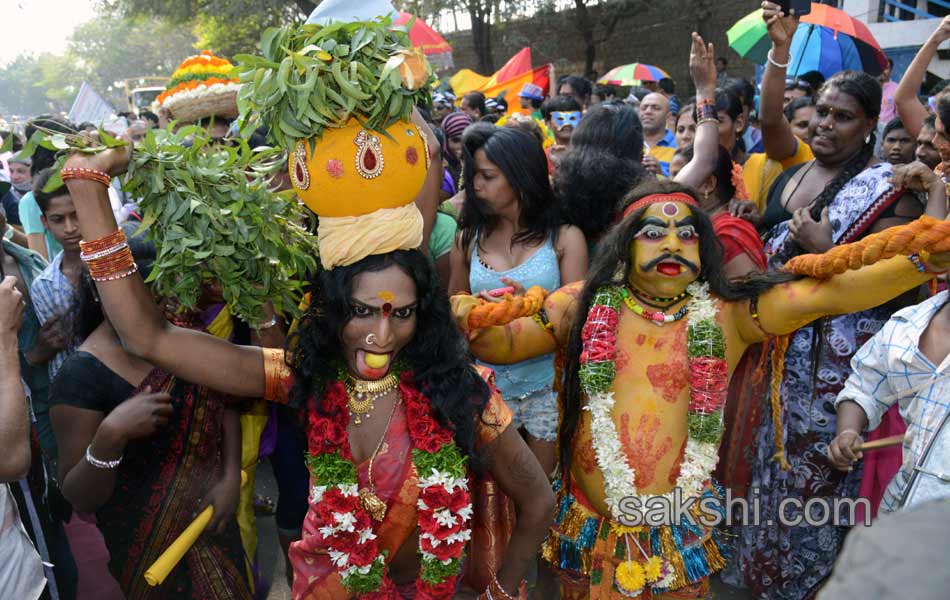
(276, 375)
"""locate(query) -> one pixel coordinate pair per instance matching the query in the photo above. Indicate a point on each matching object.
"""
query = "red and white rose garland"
(444, 505)
(708, 384)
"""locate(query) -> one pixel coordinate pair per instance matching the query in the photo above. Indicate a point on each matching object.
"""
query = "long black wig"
(437, 355)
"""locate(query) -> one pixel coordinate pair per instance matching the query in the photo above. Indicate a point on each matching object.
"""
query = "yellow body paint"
(386, 296)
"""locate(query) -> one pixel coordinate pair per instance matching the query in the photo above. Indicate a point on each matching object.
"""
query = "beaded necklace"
(656, 317)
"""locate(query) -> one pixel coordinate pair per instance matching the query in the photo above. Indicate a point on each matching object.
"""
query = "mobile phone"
(499, 292)
(796, 7)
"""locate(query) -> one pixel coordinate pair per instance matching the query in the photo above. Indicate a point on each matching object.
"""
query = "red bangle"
(67, 173)
(104, 243)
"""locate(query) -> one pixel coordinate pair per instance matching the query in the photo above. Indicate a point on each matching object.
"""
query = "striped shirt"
(53, 294)
(663, 152)
(890, 369)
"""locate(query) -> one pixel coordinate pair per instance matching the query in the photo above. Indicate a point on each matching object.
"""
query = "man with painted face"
(562, 115)
(649, 343)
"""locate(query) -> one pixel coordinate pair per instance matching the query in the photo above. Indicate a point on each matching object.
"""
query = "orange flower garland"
(194, 68)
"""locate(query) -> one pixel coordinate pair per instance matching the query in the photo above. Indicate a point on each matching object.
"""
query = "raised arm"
(790, 306)
(523, 338)
(702, 67)
(911, 112)
(777, 136)
(197, 357)
(14, 412)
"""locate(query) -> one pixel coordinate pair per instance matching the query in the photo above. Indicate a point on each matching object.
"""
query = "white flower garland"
(699, 459)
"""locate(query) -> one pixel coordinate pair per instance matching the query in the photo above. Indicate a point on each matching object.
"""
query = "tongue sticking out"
(669, 268)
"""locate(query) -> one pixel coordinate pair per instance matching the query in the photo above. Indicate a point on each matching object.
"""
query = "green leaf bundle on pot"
(311, 77)
(213, 219)
(208, 209)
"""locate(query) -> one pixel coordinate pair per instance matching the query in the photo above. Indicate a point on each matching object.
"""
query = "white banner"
(90, 106)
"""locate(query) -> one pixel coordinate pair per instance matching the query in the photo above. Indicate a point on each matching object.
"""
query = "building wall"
(659, 35)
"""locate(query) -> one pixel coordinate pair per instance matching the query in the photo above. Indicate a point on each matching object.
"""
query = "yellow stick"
(170, 558)
(894, 440)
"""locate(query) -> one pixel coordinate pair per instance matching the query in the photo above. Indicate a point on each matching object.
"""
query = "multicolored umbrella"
(422, 36)
(632, 74)
(828, 40)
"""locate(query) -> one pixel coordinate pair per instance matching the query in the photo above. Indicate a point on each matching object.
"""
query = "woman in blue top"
(511, 234)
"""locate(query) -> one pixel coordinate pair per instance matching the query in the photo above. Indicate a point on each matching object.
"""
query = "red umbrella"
(422, 36)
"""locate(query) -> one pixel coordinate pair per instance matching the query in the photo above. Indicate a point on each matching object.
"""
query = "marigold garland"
(444, 504)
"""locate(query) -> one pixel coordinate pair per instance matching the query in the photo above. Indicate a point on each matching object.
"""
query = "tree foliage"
(113, 48)
(31, 85)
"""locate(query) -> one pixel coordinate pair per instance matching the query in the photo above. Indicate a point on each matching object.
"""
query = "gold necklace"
(372, 503)
(361, 396)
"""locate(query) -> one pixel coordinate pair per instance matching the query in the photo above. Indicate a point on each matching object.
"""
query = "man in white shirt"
(905, 363)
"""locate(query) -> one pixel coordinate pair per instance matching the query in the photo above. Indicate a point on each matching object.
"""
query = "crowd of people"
(579, 306)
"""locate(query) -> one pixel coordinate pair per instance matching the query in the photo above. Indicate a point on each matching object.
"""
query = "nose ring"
(371, 339)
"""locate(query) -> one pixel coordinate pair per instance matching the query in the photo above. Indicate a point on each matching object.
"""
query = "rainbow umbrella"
(632, 74)
(422, 36)
(828, 40)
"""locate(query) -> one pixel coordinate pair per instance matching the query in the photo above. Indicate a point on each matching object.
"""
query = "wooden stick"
(894, 440)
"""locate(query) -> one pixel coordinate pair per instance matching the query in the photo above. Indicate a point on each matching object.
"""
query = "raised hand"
(942, 33)
(11, 306)
(113, 161)
(702, 66)
(781, 27)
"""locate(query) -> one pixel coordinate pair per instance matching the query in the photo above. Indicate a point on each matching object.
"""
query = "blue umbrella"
(817, 48)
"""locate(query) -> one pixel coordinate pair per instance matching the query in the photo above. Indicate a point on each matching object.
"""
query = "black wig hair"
(437, 355)
(612, 264)
(602, 164)
(519, 157)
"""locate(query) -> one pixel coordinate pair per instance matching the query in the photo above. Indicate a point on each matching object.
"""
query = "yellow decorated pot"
(355, 171)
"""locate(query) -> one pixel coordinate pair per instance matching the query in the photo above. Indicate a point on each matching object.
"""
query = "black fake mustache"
(667, 257)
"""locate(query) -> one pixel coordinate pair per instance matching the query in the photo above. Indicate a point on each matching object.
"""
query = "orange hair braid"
(489, 314)
(778, 369)
(926, 234)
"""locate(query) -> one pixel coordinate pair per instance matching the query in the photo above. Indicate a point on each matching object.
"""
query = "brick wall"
(659, 35)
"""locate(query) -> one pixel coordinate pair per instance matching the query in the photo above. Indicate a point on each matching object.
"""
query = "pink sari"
(395, 480)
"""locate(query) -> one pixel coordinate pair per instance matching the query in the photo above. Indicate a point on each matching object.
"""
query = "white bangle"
(101, 464)
(777, 64)
(266, 324)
